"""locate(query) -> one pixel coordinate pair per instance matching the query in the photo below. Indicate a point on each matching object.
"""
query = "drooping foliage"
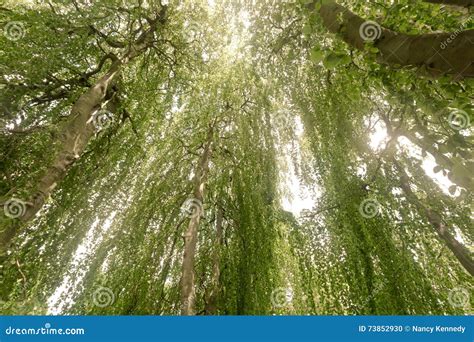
(223, 100)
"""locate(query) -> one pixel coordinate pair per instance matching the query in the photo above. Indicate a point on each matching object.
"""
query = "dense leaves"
(385, 151)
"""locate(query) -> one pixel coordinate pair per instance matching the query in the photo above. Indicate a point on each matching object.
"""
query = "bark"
(463, 3)
(435, 54)
(188, 292)
(72, 141)
(212, 296)
(434, 218)
(77, 132)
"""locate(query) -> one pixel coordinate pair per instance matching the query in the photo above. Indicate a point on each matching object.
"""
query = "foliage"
(283, 91)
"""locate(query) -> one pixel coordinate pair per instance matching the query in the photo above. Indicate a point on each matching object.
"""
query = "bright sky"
(295, 197)
(62, 297)
(380, 137)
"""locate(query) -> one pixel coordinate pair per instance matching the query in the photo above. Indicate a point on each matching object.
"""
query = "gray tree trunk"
(188, 291)
(435, 54)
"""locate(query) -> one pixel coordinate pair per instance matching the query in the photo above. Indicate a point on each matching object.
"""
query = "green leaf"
(333, 60)
(307, 29)
(316, 55)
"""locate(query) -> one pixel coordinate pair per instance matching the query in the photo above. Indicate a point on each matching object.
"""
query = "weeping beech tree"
(75, 133)
(150, 149)
(464, 3)
(436, 54)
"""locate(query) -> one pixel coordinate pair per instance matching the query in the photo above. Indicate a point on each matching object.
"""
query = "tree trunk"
(463, 3)
(77, 132)
(435, 54)
(188, 292)
(460, 252)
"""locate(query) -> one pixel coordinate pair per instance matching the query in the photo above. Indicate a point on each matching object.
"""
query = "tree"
(85, 117)
(436, 54)
(464, 3)
(175, 136)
